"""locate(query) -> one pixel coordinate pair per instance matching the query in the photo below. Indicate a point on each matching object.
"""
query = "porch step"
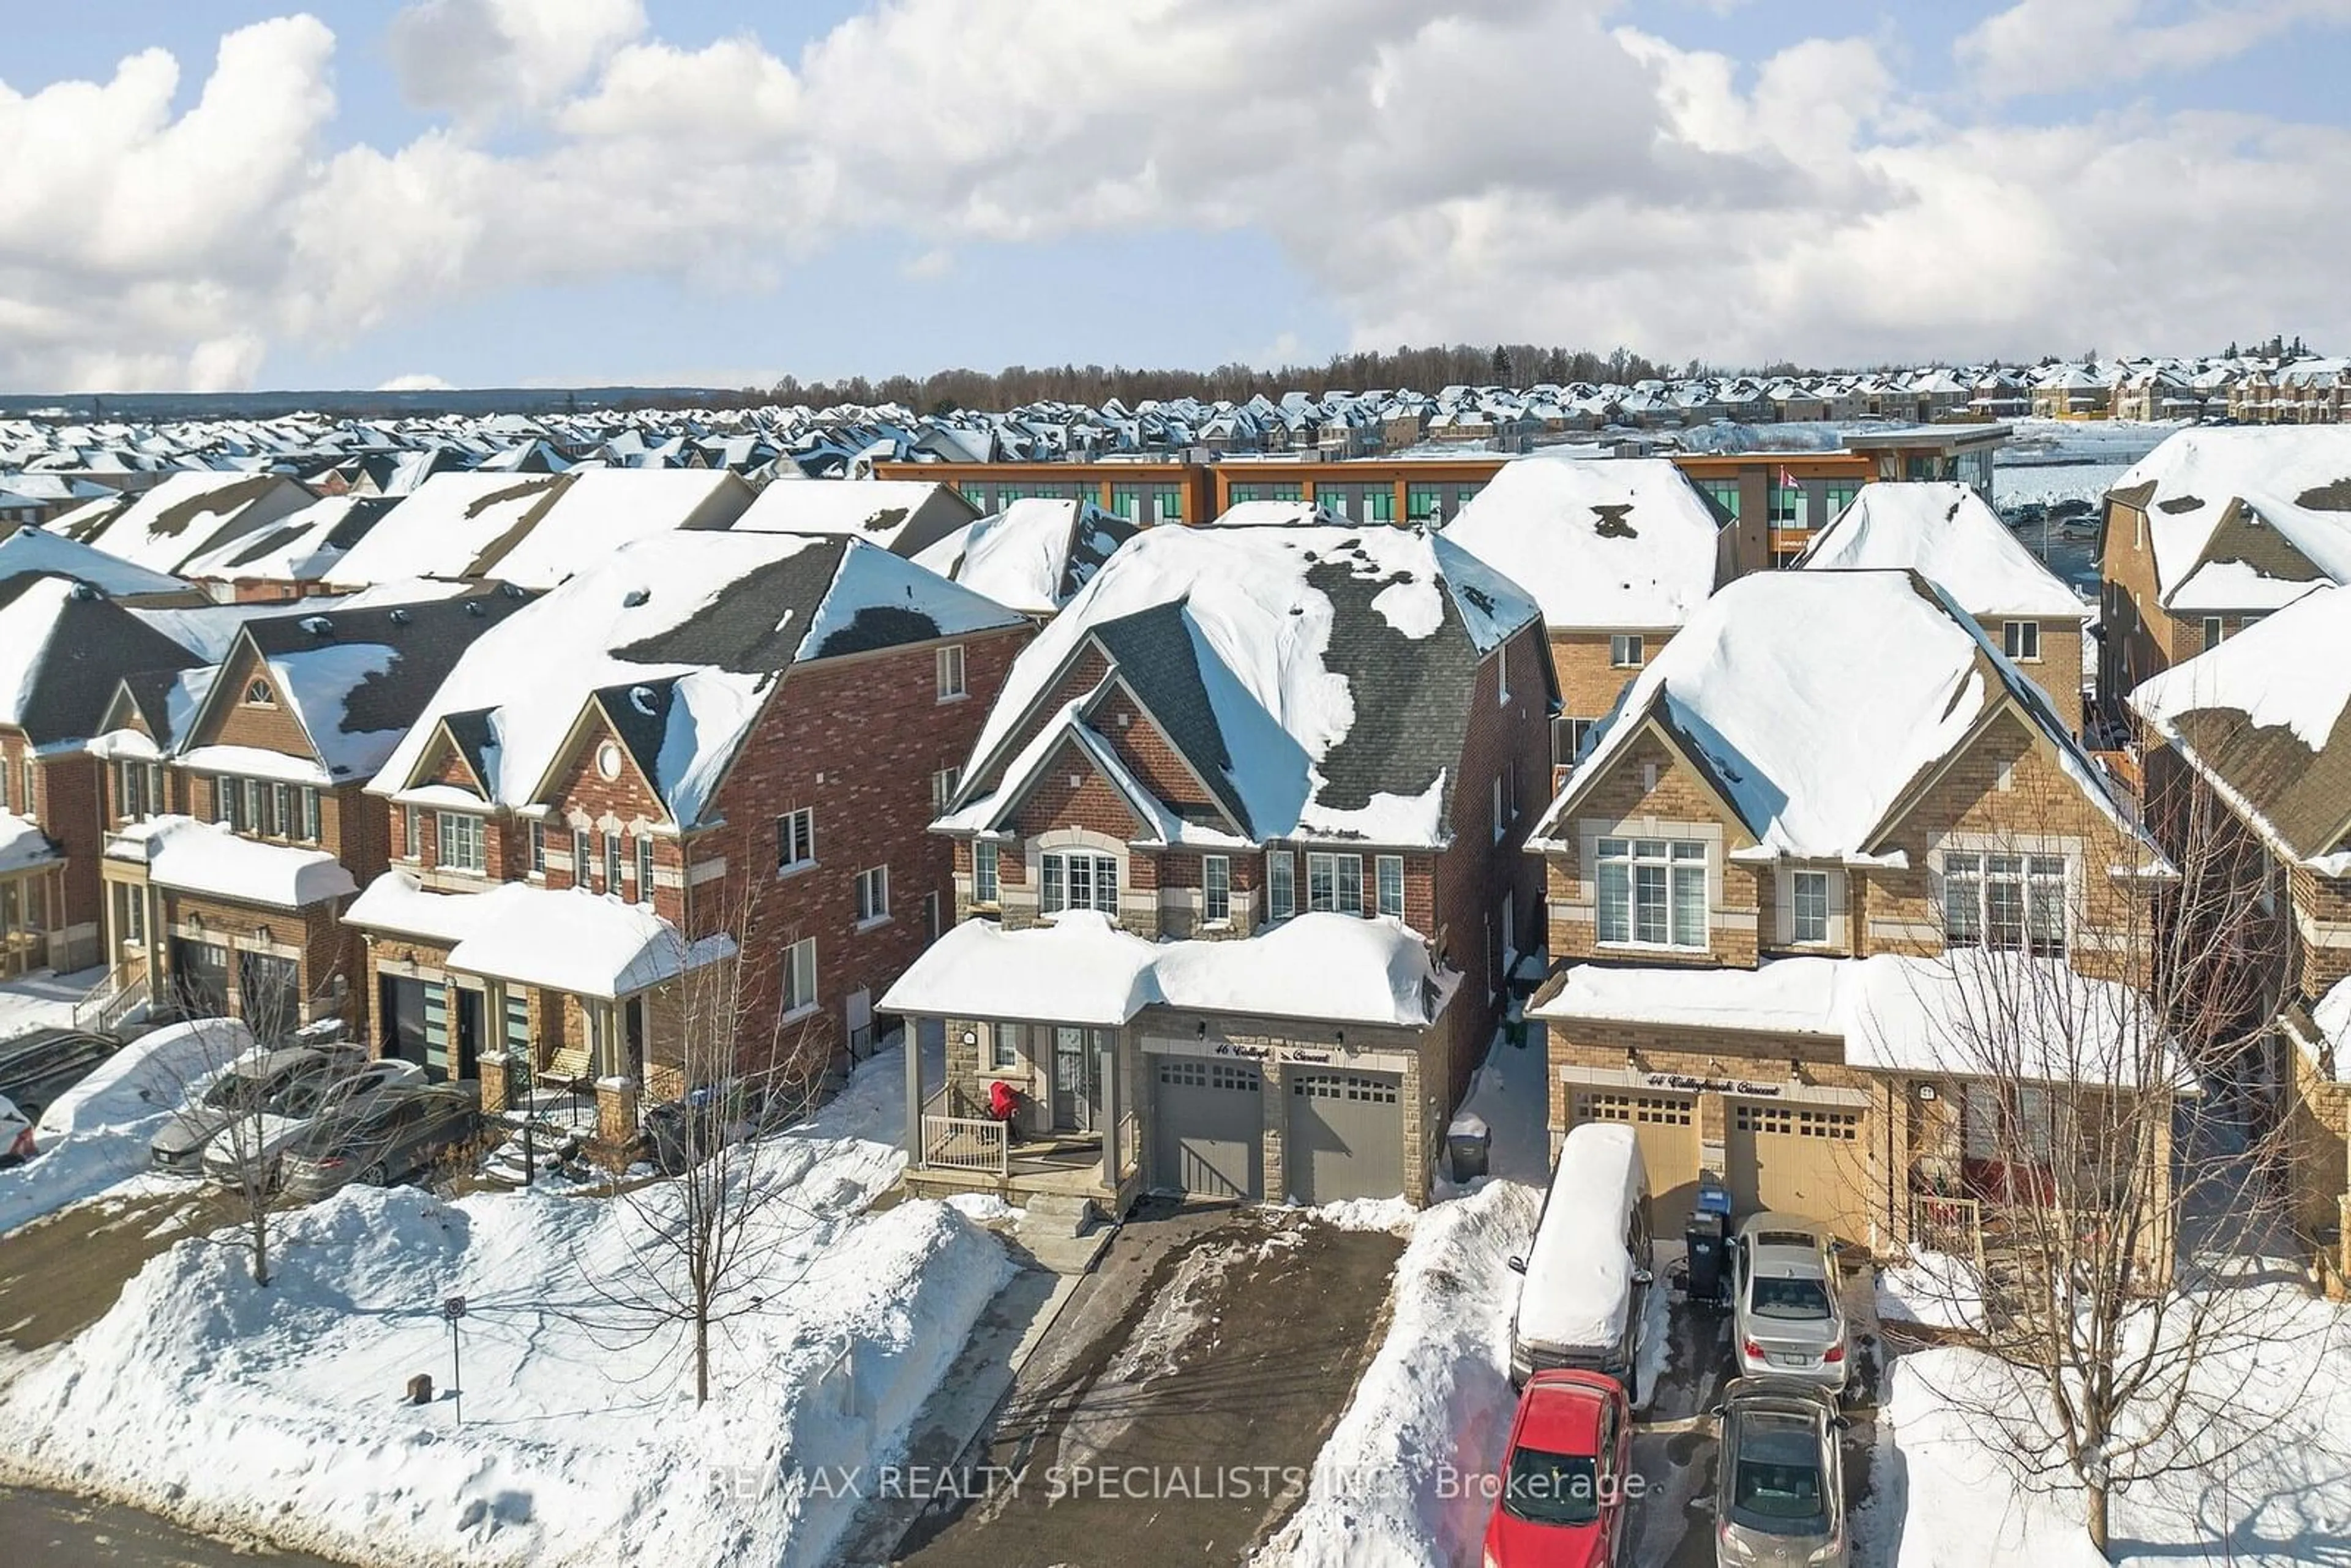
(1057, 1216)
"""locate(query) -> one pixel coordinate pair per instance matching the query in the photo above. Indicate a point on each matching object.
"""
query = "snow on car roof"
(1579, 1277)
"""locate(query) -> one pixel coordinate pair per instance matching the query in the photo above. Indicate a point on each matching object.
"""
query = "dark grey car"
(1780, 1482)
(36, 1067)
(397, 1134)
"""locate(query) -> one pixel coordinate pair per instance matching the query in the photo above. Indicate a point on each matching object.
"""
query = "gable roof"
(448, 526)
(301, 546)
(1033, 556)
(1816, 704)
(34, 550)
(600, 510)
(701, 624)
(902, 516)
(2266, 717)
(2295, 480)
(355, 680)
(192, 511)
(1619, 543)
(64, 648)
(1950, 536)
(1316, 678)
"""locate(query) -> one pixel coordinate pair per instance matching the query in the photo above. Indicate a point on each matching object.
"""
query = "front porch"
(958, 1147)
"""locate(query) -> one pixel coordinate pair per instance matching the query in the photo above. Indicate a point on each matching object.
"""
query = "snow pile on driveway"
(279, 1411)
(1399, 1482)
(2268, 1484)
(97, 1132)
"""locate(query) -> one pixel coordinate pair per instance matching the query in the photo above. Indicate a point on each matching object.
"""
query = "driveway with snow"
(1174, 1413)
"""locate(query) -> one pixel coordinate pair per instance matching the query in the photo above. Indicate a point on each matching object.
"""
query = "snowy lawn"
(279, 1410)
(2279, 1494)
(42, 1001)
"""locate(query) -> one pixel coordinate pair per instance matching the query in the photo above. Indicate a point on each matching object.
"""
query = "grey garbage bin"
(1467, 1143)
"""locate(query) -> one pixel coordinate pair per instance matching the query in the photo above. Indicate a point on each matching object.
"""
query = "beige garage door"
(1666, 1126)
(1807, 1160)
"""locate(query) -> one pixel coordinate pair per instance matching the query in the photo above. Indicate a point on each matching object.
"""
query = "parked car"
(251, 1150)
(16, 1134)
(148, 1078)
(679, 1133)
(243, 1088)
(1562, 1482)
(1779, 1477)
(1589, 1271)
(36, 1067)
(397, 1133)
(1786, 1319)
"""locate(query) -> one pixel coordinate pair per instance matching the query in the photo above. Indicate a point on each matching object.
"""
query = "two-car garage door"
(1343, 1131)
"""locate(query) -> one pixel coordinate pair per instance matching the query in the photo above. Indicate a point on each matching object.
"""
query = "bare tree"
(702, 1241)
(2121, 1165)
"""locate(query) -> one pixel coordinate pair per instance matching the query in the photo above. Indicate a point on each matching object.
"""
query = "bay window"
(1334, 883)
(1653, 892)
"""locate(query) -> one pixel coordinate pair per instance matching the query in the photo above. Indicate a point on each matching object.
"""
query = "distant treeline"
(1422, 370)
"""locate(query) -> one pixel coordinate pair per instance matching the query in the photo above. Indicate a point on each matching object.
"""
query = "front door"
(199, 979)
(468, 1063)
(1073, 1080)
(400, 1017)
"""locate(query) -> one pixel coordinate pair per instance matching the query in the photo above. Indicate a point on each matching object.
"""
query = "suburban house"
(190, 513)
(237, 821)
(903, 517)
(292, 558)
(1946, 532)
(1776, 500)
(1237, 863)
(712, 748)
(1033, 556)
(1618, 553)
(64, 644)
(2262, 722)
(1827, 827)
(2210, 532)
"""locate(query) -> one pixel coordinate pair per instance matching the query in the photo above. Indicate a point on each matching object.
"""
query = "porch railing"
(1953, 1226)
(112, 1000)
(963, 1143)
(1130, 1153)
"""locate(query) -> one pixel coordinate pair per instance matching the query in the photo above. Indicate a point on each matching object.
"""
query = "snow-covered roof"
(23, 844)
(1813, 701)
(1616, 544)
(589, 944)
(1317, 678)
(1972, 1013)
(1275, 515)
(878, 511)
(447, 525)
(1078, 968)
(601, 509)
(1579, 1277)
(1946, 532)
(1786, 995)
(2266, 717)
(63, 650)
(681, 638)
(188, 856)
(301, 546)
(2295, 478)
(1033, 555)
(32, 550)
(195, 510)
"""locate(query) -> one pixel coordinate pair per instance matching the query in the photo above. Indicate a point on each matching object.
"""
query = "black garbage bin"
(1706, 1242)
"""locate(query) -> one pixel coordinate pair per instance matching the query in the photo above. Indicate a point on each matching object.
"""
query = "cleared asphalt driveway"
(1176, 1411)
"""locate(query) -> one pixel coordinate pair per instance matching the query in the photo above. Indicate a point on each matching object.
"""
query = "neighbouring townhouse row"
(1828, 828)
(1238, 874)
(2249, 770)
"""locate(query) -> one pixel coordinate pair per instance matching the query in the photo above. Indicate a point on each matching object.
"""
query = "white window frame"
(987, 872)
(583, 858)
(1281, 884)
(943, 788)
(1004, 1047)
(612, 861)
(1388, 874)
(458, 842)
(538, 849)
(1217, 888)
(1501, 818)
(1502, 676)
(1056, 878)
(1340, 879)
(949, 668)
(796, 832)
(267, 698)
(799, 990)
(2020, 641)
(2216, 631)
(1976, 887)
(645, 868)
(411, 826)
(1626, 651)
(1798, 881)
(1667, 878)
(872, 895)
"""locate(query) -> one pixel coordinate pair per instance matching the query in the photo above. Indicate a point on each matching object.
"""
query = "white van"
(1589, 1271)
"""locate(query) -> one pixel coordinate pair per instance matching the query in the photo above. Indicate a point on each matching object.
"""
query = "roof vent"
(511, 589)
(635, 597)
(399, 617)
(474, 608)
(317, 626)
(87, 591)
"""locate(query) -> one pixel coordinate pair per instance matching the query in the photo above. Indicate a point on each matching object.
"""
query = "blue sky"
(949, 182)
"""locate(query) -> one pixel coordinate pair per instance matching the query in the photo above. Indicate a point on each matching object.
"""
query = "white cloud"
(2050, 46)
(417, 380)
(1529, 170)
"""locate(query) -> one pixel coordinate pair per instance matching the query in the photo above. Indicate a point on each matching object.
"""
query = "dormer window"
(258, 695)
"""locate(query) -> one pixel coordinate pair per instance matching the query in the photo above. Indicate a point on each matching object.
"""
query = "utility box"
(1706, 1242)
(1468, 1145)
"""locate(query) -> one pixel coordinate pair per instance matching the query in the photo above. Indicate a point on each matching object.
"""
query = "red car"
(1562, 1483)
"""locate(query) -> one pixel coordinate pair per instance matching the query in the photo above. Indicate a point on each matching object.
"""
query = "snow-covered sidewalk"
(280, 1410)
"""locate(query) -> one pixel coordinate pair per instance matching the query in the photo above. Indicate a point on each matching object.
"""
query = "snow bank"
(1436, 1397)
(278, 1410)
(1933, 1289)
(95, 1136)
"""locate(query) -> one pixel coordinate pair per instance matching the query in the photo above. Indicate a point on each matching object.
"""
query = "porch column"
(914, 1049)
(1107, 1056)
